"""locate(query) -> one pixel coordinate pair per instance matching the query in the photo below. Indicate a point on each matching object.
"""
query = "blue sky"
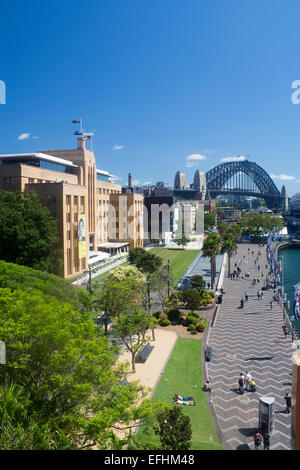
(159, 79)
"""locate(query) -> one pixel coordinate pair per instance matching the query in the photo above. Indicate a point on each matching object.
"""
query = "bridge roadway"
(249, 339)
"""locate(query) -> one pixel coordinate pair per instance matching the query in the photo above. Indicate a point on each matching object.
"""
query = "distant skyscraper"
(199, 182)
(285, 198)
(180, 180)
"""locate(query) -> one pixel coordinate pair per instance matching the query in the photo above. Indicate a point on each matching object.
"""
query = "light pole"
(89, 285)
(149, 304)
(168, 278)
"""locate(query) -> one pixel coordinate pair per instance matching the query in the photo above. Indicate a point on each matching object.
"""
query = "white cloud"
(35, 137)
(147, 183)
(115, 178)
(24, 136)
(193, 159)
(237, 158)
(136, 182)
(117, 147)
(282, 177)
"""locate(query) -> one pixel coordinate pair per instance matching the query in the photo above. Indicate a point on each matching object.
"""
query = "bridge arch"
(217, 177)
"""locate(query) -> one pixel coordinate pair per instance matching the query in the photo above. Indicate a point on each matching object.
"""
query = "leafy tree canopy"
(28, 231)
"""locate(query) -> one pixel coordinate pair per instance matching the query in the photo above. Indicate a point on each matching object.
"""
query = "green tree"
(174, 429)
(131, 327)
(258, 225)
(67, 380)
(197, 282)
(144, 261)
(191, 298)
(209, 220)
(211, 248)
(28, 231)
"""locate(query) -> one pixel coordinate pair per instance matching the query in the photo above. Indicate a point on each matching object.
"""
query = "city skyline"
(164, 87)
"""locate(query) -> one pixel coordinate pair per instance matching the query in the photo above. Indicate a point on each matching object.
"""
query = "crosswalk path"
(249, 339)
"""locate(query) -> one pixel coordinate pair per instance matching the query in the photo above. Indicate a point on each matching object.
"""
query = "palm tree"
(229, 246)
(211, 248)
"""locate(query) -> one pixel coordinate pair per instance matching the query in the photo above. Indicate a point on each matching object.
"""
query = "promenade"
(249, 339)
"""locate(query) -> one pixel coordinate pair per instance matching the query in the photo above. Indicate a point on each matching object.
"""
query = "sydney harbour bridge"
(243, 179)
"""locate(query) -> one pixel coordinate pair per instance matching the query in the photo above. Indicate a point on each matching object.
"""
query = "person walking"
(242, 303)
(262, 295)
(266, 439)
(257, 440)
(258, 294)
(241, 383)
(248, 380)
(246, 296)
(271, 304)
(288, 401)
(285, 332)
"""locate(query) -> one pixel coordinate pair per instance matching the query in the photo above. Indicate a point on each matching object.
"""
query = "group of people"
(180, 400)
(259, 438)
(246, 382)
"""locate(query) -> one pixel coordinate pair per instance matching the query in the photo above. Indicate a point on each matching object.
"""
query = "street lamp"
(149, 304)
(168, 278)
(89, 284)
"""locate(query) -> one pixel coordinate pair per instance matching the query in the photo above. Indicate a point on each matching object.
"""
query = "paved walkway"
(249, 339)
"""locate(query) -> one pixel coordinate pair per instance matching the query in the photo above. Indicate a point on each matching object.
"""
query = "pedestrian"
(288, 401)
(241, 383)
(246, 296)
(266, 438)
(255, 262)
(242, 303)
(248, 380)
(262, 296)
(258, 294)
(285, 332)
(257, 440)
(258, 267)
(271, 304)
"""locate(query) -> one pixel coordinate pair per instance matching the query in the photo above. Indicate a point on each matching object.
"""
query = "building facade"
(81, 197)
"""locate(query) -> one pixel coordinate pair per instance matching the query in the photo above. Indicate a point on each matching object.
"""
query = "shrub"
(192, 328)
(163, 322)
(200, 326)
(190, 320)
(212, 293)
(163, 316)
(156, 314)
(174, 315)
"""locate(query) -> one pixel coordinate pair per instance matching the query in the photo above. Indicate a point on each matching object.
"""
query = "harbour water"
(291, 271)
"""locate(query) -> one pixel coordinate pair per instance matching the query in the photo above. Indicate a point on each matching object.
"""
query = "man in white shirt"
(248, 380)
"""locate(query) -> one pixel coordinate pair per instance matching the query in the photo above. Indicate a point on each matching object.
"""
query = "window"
(6, 181)
(82, 200)
(75, 200)
(68, 199)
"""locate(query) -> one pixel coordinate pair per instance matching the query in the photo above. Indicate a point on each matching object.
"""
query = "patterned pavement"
(249, 339)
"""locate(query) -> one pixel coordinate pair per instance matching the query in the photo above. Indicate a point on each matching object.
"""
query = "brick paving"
(249, 339)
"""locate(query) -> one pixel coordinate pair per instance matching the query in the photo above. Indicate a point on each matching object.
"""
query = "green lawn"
(180, 260)
(181, 375)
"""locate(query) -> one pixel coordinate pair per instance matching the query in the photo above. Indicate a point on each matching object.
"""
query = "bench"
(144, 353)
(208, 353)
